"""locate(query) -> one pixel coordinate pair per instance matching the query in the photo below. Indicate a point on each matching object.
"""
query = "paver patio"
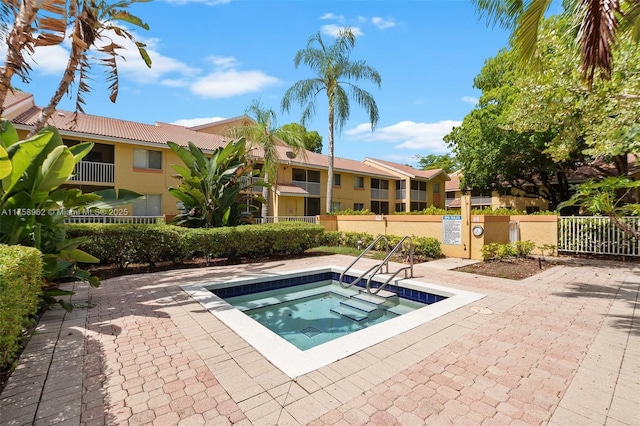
(560, 348)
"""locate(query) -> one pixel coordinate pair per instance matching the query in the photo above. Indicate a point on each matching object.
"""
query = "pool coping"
(295, 362)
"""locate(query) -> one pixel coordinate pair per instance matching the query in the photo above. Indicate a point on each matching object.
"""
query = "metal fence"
(114, 219)
(276, 219)
(597, 235)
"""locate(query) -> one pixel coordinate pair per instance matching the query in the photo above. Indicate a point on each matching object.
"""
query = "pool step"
(351, 313)
(399, 309)
(359, 305)
(382, 298)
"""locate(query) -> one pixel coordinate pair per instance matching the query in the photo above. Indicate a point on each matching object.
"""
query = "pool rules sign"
(452, 229)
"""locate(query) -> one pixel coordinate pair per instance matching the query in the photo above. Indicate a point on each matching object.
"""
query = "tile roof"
(408, 170)
(321, 161)
(454, 183)
(123, 130)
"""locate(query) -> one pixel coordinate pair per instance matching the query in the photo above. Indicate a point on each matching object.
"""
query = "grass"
(348, 251)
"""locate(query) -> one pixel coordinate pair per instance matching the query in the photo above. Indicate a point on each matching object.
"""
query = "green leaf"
(24, 154)
(56, 170)
(80, 150)
(5, 163)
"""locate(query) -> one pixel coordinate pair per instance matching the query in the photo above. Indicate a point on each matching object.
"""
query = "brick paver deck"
(560, 348)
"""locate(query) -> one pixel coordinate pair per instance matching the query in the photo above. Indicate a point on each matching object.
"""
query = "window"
(146, 159)
(336, 179)
(418, 186)
(401, 184)
(436, 188)
(380, 207)
(335, 206)
(400, 207)
(302, 175)
(532, 209)
(150, 206)
(358, 206)
(417, 206)
(311, 206)
(358, 182)
(379, 184)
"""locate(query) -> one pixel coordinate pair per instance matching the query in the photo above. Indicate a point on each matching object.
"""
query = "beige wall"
(538, 229)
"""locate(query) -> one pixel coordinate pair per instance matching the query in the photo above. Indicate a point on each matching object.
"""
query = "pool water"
(311, 314)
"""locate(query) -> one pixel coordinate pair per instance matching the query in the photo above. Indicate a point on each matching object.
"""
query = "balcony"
(417, 195)
(379, 194)
(313, 188)
(93, 172)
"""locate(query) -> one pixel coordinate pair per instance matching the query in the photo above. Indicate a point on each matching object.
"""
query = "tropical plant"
(264, 134)
(210, 187)
(597, 26)
(33, 206)
(334, 70)
(447, 162)
(609, 197)
(44, 23)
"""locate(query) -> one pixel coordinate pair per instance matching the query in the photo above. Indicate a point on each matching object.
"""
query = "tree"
(311, 139)
(596, 25)
(446, 162)
(493, 155)
(264, 134)
(44, 24)
(334, 73)
(210, 187)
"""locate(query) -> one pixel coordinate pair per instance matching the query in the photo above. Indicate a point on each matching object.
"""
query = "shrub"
(350, 212)
(131, 244)
(20, 288)
(151, 244)
(503, 251)
(431, 210)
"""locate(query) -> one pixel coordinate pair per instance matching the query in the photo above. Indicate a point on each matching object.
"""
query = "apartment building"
(136, 156)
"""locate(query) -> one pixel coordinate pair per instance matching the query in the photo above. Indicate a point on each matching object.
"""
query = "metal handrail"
(386, 262)
(372, 245)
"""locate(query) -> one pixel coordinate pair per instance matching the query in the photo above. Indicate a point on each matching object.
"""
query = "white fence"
(276, 219)
(114, 219)
(597, 235)
(90, 171)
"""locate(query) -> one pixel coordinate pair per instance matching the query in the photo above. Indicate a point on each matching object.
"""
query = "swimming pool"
(320, 345)
(308, 315)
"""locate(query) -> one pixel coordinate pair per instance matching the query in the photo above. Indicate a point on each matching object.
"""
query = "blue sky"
(211, 59)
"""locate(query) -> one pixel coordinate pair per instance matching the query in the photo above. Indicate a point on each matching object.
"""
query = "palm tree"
(598, 23)
(263, 133)
(44, 24)
(334, 69)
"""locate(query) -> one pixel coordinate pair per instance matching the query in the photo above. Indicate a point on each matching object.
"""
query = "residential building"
(136, 156)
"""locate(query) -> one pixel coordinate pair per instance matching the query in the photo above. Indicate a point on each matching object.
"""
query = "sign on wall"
(452, 229)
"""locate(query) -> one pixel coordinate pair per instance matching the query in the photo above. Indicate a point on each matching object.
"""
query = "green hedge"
(20, 288)
(423, 247)
(152, 244)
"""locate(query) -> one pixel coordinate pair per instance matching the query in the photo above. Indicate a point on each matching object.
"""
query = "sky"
(213, 58)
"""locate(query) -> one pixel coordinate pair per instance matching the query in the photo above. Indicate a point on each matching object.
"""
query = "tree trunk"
(264, 211)
(18, 39)
(330, 171)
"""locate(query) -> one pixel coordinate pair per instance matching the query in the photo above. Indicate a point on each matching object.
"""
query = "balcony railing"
(114, 219)
(417, 195)
(480, 201)
(379, 194)
(277, 219)
(401, 194)
(91, 171)
(313, 188)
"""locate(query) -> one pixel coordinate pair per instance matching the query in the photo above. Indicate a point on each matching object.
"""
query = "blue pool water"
(310, 310)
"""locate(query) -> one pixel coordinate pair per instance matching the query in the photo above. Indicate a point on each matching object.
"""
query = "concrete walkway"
(560, 348)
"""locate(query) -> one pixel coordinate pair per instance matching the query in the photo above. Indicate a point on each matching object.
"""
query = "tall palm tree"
(264, 134)
(44, 23)
(597, 24)
(333, 70)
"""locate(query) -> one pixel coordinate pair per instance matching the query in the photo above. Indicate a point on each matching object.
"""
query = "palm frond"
(52, 22)
(500, 12)
(365, 100)
(597, 35)
(526, 34)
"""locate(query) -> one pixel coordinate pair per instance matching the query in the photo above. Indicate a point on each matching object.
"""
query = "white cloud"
(382, 23)
(327, 16)
(191, 122)
(231, 82)
(333, 30)
(408, 135)
(49, 60)
(470, 99)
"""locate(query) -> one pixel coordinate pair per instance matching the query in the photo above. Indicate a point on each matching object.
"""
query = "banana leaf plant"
(210, 190)
(33, 207)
